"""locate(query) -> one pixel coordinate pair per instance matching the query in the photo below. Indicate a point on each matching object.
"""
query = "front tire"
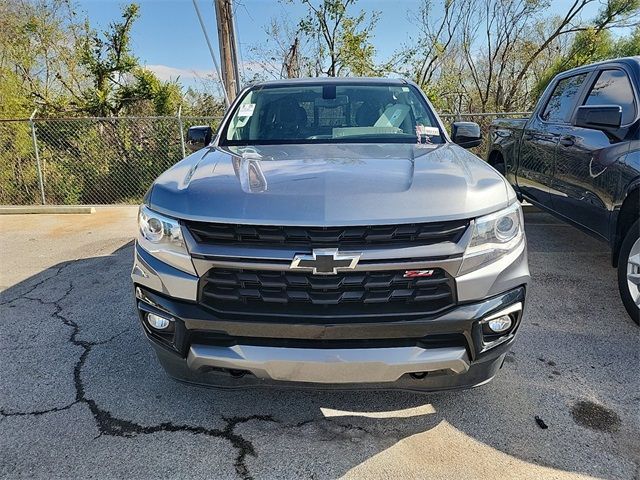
(629, 272)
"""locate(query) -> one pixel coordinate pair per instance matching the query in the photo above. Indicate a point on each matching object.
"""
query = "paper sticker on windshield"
(424, 130)
(246, 110)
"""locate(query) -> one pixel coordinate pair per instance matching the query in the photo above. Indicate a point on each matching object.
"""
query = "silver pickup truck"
(332, 235)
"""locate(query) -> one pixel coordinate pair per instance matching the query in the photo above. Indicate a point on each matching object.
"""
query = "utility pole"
(227, 42)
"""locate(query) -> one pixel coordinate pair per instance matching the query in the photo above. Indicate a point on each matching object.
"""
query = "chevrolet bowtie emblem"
(325, 261)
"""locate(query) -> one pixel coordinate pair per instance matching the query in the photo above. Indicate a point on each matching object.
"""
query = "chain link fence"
(88, 161)
(92, 161)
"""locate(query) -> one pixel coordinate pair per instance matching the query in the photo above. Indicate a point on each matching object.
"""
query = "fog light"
(500, 324)
(158, 322)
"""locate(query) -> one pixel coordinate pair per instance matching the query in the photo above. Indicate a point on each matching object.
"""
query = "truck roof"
(333, 80)
(631, 62)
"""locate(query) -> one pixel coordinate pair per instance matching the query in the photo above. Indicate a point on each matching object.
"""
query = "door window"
(561, 101)
(614, 88)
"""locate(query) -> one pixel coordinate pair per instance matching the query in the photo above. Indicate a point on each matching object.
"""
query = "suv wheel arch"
(628, 214)
(496, 160)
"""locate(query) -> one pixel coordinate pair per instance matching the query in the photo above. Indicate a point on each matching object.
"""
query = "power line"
(238, 44)
(213, 57)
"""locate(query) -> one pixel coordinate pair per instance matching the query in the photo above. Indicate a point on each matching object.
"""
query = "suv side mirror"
(466, 134)
(599, 117)
(199, 137)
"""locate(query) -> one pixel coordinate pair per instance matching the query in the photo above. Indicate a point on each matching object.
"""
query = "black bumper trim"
(193, 320)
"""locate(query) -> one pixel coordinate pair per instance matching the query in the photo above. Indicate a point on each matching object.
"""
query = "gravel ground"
(82, 396)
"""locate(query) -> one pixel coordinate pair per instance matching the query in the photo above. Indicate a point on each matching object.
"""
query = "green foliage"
(13, 101)
(52, 59)
(627, 46)
(39, 59)
(355, 48)
(88, 161)
(109, 54)
(18, 176)
(202, 103)
(344, 41)
(119, 85)
(616, 9)
(144, 94)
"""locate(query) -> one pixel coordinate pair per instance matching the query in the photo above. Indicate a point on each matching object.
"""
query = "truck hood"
(330, 184)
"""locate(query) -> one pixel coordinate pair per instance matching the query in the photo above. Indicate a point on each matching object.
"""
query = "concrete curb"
(42, 209)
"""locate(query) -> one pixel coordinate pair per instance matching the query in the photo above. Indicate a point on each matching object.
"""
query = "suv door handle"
(567, 141)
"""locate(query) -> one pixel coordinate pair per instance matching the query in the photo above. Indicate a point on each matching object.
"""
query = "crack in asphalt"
(35, 285)
(107, 423)
(36, 413)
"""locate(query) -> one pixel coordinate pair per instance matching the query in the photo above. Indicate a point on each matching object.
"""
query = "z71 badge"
(417, 273)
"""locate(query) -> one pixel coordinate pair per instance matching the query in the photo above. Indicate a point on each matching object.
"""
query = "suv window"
(613, 88)
(561, 100)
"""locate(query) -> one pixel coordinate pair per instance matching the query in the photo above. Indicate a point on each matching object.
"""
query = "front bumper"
(475, 374)
(435, 353)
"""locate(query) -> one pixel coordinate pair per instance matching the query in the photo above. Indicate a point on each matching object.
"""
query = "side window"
(561, 100)
(614, 88)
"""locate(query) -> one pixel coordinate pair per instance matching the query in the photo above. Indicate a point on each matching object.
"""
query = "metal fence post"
(35, 149)
(184, 154)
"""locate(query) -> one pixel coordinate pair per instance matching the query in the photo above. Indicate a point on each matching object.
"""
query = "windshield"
(331, 113)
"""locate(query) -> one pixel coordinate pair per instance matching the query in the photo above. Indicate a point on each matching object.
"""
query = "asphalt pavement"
(82, 396)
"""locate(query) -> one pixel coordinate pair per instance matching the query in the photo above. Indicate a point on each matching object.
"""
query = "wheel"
(629, 272)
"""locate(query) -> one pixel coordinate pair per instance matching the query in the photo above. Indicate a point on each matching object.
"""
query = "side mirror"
(599, 117)
(199, 137)
(466, 134)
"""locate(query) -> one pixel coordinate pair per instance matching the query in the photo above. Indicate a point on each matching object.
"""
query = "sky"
(167, 37)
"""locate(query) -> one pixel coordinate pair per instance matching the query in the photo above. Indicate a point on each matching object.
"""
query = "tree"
(39, 59)
(119, 84)
(344, 41)
(285, 52)
(489, 55)
(52, 59)
(436, 39)
(628, 46)
(327, 40)
(107, 58)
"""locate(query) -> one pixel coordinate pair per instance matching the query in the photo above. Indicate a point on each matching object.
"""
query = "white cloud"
(190, 75)
(167, 72)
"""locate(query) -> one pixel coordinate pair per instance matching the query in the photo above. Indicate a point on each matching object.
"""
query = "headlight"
(162, 237)
(493, 237)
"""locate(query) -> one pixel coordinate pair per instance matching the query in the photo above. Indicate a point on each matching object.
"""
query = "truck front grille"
(349, 294)
(411, 234)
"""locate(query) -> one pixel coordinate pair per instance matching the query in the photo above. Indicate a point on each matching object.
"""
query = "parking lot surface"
(81, 394)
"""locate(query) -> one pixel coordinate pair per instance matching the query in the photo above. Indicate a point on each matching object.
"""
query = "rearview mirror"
(338, 101)
(199, 137)
(599, 117)
(466, 134)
